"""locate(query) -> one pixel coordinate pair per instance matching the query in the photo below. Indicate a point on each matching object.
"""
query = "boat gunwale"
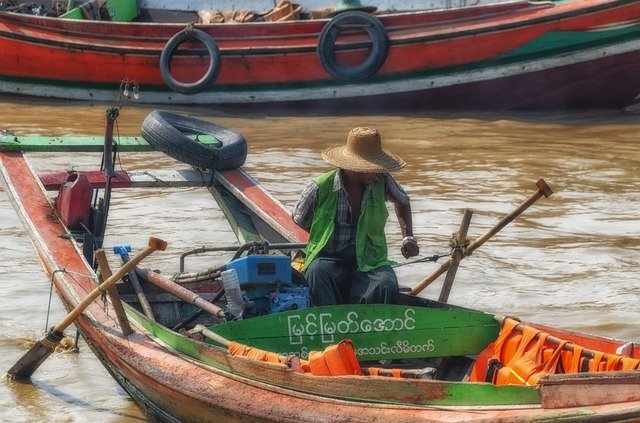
(429, 33)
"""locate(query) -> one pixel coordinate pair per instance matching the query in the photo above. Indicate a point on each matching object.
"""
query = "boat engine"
(266, 284)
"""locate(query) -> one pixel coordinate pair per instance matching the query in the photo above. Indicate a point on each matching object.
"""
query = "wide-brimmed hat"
(363, 153)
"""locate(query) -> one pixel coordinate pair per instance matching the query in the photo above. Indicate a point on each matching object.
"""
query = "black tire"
(327, 45)
(214, 62)
(167, 132)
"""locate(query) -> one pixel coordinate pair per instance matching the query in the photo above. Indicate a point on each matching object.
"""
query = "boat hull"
(175, 378)
(505, 56)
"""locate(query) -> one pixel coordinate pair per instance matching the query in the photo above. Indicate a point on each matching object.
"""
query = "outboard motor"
(266, 284)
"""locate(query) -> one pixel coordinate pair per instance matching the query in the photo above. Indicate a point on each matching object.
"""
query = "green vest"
(371, 243)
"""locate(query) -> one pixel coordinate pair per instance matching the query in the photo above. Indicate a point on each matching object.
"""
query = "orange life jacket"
(335, 360)
(513, 358)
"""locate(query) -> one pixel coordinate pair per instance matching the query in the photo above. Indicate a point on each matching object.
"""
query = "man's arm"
(410, 247)
(402, 204)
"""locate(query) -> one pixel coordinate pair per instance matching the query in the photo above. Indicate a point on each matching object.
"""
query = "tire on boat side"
(327, 45)
(207, 79)
(167, 132)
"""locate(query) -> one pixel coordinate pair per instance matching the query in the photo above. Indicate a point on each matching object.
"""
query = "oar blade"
(29, 363)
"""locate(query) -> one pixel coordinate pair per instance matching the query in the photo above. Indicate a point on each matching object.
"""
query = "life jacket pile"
(336, 360)
(522, 358)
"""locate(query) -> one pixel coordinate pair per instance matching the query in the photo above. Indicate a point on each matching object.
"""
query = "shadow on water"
(38, 395)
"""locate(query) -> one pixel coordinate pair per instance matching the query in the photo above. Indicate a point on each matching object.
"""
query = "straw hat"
(363, 153)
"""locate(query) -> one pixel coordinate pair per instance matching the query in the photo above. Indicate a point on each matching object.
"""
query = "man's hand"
(410, 247)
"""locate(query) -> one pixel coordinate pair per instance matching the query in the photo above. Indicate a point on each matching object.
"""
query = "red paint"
(265, 202)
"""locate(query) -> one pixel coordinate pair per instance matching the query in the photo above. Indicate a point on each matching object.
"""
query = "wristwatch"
(410, 238)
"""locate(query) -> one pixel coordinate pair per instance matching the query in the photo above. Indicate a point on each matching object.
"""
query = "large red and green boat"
(504, 55)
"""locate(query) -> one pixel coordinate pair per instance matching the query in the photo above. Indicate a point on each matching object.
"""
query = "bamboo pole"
(457, 255)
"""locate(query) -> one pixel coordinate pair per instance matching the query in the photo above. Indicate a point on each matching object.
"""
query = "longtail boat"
(241, 341)
(502, 55)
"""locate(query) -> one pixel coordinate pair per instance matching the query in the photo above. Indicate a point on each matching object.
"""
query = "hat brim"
(385, 162)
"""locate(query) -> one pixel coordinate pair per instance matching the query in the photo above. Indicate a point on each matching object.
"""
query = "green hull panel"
(378, 331)
(85, 143)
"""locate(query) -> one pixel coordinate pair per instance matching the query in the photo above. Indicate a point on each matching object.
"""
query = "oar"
(179, 291)
(543, 190)
(42, 349)
(116, 302)
(123, 252)
(210, 334)
(292, 360)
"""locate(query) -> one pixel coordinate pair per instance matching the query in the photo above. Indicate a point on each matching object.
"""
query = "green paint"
(176, 341)
(561, 42)
(86, 143)
(119, 11)
(478, 394)
(378, 331)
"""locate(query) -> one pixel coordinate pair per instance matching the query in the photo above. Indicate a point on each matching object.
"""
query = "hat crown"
(364, 142)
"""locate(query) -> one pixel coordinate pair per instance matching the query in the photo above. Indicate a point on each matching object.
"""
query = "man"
(345, 213)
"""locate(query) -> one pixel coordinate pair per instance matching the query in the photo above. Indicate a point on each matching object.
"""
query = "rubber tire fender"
(167, 132)
(327, 45)
(207, 79)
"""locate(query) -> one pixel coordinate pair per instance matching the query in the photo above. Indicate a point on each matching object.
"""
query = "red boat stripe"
(257, 195)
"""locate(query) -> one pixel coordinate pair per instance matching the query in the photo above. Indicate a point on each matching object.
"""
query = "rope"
(188, 30)
(53, 274)
(46, 323)
(456, 246)
(216, 155)
(434, 258)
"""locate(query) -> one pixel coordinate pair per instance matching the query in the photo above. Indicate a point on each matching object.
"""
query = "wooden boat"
(419, 360)
(508, 55)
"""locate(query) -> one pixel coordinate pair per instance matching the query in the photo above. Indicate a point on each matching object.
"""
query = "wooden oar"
(179, 291)
(42, 349)
(211, 335)
(116, 302)
(543, 190)
(123, 252)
